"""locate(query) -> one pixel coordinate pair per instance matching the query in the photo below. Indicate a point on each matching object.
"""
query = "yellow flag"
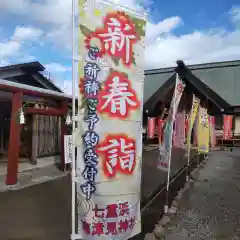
(194, 110)
(203, 130)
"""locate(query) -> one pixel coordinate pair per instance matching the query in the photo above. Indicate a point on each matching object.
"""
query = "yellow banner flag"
(203, 130)
(194, 110)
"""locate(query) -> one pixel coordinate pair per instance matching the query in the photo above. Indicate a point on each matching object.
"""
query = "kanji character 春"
(88, 189)
(112, 211)
(99, 212)
(98, 228)
(118, 36)
(131, 222)
(90, 157)
(123, 225)
(91, 70)
(90, 139)
(89, 173)
(86, 227)
(119, 154)
(111, 228)
(92, 119)
(93, 53)
(123, 209)
(117, 98)
(91, 88)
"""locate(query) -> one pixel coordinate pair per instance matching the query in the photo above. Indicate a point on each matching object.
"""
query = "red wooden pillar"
(14, 140)
(64, 131)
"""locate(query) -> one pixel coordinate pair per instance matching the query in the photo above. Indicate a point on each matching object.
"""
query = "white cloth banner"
(68, 148)
(165, 151)
(110, 139)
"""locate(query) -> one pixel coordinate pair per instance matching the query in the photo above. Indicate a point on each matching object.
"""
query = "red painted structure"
(15, 127)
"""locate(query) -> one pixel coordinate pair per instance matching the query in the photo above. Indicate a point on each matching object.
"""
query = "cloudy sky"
(194, 31)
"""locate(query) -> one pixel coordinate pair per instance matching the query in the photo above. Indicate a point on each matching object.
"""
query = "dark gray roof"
(30, 66)
(29, 69)
(222, 77)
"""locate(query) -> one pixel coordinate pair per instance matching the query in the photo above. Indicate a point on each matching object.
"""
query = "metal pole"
(188, 155)
(169, 167)
(169, 155)
(73, 124)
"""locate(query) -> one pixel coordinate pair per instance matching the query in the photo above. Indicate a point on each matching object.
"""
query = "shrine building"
(216, 84)
(40, 140)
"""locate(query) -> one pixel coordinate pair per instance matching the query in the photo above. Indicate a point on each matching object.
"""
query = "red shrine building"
(25, 89)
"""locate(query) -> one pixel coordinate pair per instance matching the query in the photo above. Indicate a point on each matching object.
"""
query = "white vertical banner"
(168, 133)
(192, 118)
(111, 79)
(68, 147)
(168, 130)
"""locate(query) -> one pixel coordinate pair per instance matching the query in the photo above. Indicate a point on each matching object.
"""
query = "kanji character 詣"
(119, 153)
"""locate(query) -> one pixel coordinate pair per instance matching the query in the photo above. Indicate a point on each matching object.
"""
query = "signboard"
(227, 126)
(203, 131)
(111, 79)
(165, 156)
(68, 148)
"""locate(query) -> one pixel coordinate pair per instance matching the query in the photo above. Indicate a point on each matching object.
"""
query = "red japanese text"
(109, 228)
(119, 153)
(113, 210)
(112, 219)
(117, 98)
(117, 37)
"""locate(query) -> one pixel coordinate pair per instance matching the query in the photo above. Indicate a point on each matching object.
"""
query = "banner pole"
(169, 154)
(169, 165)
(189, 136)
(73, 126)
(188, 160)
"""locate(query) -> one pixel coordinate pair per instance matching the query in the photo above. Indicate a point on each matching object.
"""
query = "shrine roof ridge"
(193, 67)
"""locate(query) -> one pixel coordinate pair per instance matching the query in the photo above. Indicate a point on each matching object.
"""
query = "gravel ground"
(210, 209)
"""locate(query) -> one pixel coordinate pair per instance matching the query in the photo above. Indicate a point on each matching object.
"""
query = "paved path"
(43, 211)
(32, 177)
(40, 212)
(210, 210)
